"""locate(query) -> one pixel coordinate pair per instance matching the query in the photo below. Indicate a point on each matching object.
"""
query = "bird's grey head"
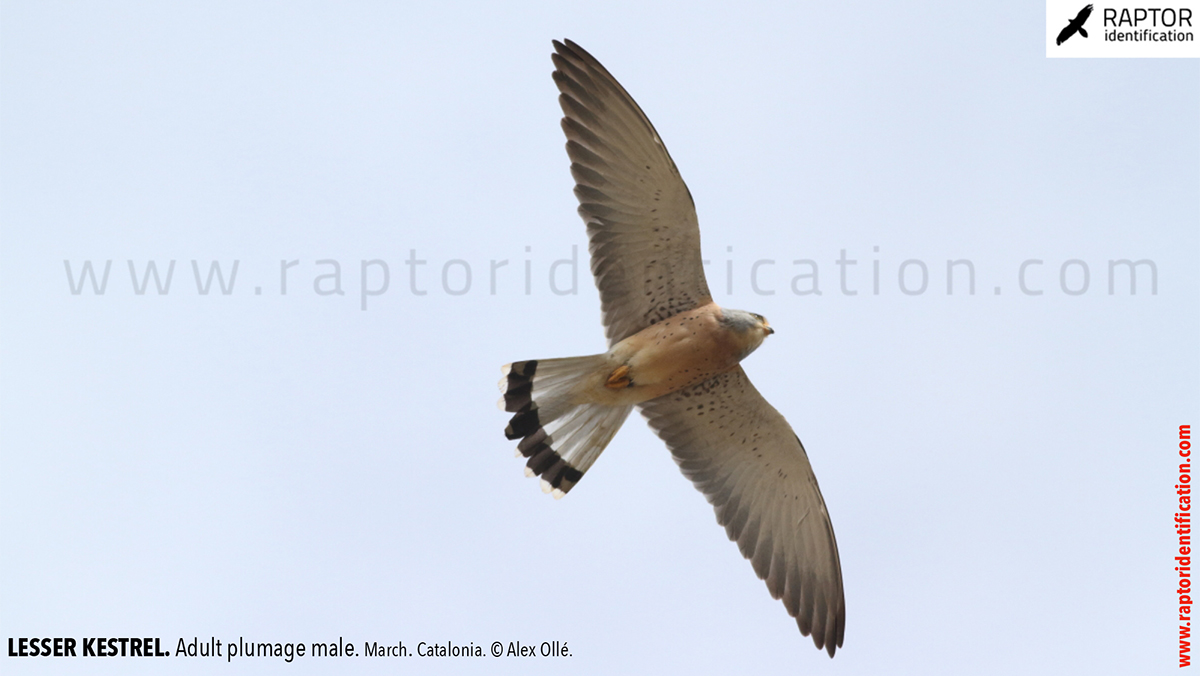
(750, 329)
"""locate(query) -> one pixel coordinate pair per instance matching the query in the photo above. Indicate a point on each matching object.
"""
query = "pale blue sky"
(998, 467)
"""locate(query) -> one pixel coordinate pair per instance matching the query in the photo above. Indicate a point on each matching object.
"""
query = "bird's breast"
(677, 352)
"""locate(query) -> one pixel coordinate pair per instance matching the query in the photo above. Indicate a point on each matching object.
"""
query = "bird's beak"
(767, 328)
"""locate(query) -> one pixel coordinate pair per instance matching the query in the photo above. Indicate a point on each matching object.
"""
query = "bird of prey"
(674, 354)
(1076, 25)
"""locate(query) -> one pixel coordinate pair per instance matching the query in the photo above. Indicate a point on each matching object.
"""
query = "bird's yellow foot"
(619, 378)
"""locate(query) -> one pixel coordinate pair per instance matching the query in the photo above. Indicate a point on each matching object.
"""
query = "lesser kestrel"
(674, 354)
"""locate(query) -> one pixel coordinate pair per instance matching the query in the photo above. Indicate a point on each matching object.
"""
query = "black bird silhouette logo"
(1076, 25)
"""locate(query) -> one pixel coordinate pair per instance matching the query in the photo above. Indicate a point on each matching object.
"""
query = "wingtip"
(570, 48)
(825, 643)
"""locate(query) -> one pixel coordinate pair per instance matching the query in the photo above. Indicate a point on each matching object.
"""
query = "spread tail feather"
(560, 436)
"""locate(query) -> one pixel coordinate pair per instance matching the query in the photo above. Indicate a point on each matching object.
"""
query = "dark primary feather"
(642, 229)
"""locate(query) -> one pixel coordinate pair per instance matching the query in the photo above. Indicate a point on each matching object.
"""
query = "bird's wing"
(1065, 33)
(1083, 15)
(641, 222)
(741, 453)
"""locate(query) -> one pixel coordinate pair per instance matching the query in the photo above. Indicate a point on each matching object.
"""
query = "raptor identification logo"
(1122, 30)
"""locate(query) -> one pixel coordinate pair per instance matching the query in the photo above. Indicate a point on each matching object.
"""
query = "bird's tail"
(1083, 32)
(560, 432)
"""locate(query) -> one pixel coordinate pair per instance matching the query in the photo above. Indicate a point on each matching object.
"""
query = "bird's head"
(748, 329)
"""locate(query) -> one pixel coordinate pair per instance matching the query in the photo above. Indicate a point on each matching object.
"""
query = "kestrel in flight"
(674, 354)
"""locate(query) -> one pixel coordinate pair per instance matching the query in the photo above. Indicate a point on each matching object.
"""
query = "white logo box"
(1139, 30)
